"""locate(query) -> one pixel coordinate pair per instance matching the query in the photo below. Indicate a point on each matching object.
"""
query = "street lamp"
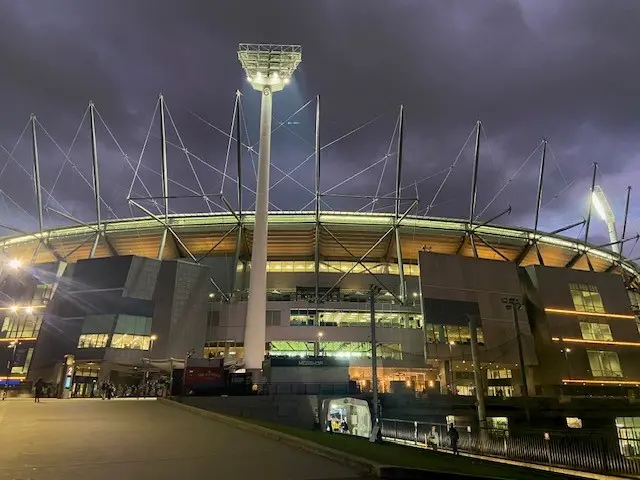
(514, 304)
(605, 212)
(268, 69)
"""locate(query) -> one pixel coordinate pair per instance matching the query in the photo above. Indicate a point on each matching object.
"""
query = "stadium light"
(269, 66)
(605, 212)
(268, 69)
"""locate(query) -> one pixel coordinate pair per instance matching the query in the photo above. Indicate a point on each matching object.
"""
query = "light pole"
(514, 304)
(269, 69)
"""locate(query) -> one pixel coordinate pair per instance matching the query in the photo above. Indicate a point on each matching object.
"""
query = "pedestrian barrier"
(587, 451)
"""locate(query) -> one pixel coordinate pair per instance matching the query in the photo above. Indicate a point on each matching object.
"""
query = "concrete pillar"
(255, 325)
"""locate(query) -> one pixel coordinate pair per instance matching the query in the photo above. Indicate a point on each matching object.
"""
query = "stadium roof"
(343, 236)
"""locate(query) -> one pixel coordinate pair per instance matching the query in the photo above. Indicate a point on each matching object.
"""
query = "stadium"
(538, 314)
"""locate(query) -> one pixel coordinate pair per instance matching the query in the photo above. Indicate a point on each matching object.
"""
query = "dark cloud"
(564, 70)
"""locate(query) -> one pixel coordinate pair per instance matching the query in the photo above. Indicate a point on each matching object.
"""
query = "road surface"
(141, 439)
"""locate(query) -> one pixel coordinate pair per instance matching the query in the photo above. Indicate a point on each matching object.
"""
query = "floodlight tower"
(269, 69)
(603, 208)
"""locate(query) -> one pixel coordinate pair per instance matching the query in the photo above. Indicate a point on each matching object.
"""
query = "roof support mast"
(626, 217)
(96, 178)
(240, 228)
(316, 250)
(36, 184)
(403, 285)
(539, 200)
(165, 179)
(474, 187)
(36, 171)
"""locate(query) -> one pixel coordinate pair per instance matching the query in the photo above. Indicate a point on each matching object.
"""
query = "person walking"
(39, 388)
(454, 436)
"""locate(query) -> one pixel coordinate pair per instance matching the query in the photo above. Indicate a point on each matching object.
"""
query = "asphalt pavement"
(139, 439)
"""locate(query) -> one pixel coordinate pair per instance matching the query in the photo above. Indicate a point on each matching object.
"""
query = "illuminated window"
(586, 298)
(499, 374)
(465, 390)
(93, 340)
(604, 364)
(595, 331)
(230, 350)
(574, 422)
(21, 326)
(459, 334)
(502, 391)
(354, 318)
(134, 342)
(498, 423)
(628, 429)
(296, 348)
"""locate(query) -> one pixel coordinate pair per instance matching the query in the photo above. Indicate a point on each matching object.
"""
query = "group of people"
(433, 439)
(107, 390)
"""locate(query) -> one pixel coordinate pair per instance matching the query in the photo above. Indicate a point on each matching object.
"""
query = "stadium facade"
(578, 326)
(549, 315)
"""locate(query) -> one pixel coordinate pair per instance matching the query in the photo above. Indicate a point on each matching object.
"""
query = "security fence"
(592, 452)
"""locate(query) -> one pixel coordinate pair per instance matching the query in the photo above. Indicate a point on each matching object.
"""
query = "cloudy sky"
(566, 71)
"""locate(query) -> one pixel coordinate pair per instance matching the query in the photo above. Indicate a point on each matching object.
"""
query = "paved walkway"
(138, 439)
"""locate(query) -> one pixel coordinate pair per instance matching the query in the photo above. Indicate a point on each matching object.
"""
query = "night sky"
(566, 71)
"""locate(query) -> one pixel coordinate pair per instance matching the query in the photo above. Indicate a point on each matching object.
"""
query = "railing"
(592, 452)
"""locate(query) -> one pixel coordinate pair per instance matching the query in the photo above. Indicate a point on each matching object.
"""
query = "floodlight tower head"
(269, 66)
(605, 211)
(601, 205)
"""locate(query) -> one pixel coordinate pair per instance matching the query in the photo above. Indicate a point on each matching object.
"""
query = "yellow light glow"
(21, 339)
(15, 308)
(22, 378)
(589, 314)
(603, 382)
(598, 342)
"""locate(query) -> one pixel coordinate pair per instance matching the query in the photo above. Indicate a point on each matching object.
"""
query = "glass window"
(125, 340)
(133, 325)
(628, 435)
(93, 340)
(498, 423)
(595, 331)
(502, 391)
(498, 374)
(586, 298)
(604, 364)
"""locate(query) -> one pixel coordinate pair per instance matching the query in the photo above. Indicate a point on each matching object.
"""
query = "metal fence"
(592, 452)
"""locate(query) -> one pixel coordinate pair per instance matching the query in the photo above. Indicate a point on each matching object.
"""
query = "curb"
(361, 464)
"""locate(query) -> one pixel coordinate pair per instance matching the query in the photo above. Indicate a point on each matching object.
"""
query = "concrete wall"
(293, 410)
(486, 283)
(548, 287)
